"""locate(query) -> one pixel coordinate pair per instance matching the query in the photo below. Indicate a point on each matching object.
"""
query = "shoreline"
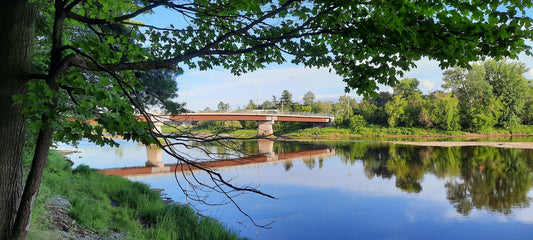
(521, 145)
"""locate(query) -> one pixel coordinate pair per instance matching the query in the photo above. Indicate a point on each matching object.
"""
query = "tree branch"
(88, 20)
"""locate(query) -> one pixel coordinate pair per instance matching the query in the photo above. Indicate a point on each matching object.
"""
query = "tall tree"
(395, 109)
(309, 98)
(251, 105)
(366, 43)
(508, 82)
(470, 87)
(408, 89)
(223, 107)
(346, 105)
(286, 98)
(481, 87)
(443, 111)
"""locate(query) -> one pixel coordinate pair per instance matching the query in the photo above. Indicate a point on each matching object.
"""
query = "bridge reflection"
(154, 165)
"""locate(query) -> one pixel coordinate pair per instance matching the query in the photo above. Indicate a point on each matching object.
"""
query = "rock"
(58, 201)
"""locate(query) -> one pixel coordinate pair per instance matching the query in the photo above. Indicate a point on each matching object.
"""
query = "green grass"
(370, 131)
(244, 132)
(298, 131)
(112, 203)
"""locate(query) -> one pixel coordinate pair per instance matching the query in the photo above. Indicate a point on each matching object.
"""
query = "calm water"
(361, 190)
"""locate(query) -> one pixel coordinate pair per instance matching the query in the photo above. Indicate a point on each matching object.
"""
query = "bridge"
(264, 119)
(154, 165)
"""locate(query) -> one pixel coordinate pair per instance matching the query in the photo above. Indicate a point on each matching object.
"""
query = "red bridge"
(264, 119)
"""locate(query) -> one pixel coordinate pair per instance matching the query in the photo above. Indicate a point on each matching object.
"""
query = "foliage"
(308, 98)
(395, 109)
(286, 98)
(443, 111)
(223, 107)
(111, 203)
(357, 123)
(88, 52)
(489, 93)
(494, 179)
(510, 85)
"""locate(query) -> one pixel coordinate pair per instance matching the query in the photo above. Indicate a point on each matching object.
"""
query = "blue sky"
(201, 89)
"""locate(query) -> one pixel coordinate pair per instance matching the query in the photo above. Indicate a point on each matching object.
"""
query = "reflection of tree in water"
(119, 151)
(406, 165)
(287, 165)
(493, 179)
(310, 163)
(374, 157)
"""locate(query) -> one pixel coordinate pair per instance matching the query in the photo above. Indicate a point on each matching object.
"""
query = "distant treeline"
(489, 94)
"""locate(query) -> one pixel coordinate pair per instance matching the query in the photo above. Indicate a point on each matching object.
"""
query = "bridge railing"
(270, 111)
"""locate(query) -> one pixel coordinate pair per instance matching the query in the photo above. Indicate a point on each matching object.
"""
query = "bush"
(357, 123)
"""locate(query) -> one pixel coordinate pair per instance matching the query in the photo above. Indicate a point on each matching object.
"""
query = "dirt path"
(522, 145)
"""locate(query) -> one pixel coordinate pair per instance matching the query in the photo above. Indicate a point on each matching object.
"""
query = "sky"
(201, 89)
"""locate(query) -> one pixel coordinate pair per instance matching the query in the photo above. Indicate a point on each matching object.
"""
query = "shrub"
(357, 123)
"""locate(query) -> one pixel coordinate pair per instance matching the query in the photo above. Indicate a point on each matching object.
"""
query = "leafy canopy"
(102, 57)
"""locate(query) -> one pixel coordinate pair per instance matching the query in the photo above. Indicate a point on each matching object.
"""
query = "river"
(356, 190)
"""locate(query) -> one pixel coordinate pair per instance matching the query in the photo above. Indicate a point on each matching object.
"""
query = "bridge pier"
(154, 155)
(266, 147)
(264, 128)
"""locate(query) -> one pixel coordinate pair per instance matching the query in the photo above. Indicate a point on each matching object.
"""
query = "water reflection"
(494, 179)
(371, 190)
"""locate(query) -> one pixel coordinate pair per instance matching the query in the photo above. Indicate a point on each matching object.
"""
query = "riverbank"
(521, 145)
(334, 132)
(82, 203)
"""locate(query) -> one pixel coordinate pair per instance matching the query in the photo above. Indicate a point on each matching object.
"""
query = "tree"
(309, 99)
(93, 48)
(527, 117)
(408, 88)
(508, 83)
(479, 87)
(357, 123)
(325, 107)
(471, 89)
(395, 109)
(267, 105)
(444, 112)
(286, 99)
(160, 88)
(346, 105)
(251, 105)
(223, 107)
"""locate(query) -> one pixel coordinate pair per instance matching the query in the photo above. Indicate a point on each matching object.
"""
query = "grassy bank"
(379, 131)
(110, 204)
(369, 131)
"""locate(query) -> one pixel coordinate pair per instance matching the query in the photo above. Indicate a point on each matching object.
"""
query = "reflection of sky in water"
(129, 154)
(336, 201)
(340, 202)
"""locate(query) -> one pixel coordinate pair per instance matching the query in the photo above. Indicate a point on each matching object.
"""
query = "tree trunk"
(40, 157)
(16, 42)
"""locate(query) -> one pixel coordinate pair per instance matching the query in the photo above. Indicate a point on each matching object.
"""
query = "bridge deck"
(248, 117)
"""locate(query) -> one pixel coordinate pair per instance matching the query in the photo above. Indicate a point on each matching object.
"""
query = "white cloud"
(531, 72)
(207, 88)
(428, 84)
